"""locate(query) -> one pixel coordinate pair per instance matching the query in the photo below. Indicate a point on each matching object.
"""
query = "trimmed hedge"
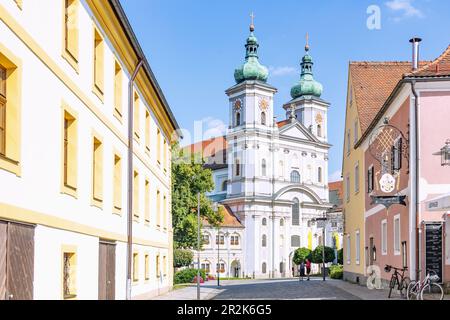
(336, 271)
(187, 276)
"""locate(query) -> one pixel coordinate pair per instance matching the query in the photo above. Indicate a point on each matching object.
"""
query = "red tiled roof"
(338, 186)
(438, 68)
(229, 219)
(281, 124)
(373, 83)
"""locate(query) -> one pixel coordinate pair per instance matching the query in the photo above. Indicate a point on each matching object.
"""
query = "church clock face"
(263, 104)
(319, 119)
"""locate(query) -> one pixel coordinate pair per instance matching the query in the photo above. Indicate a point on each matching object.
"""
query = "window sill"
(118, 116)
(70, 191)
(136, 219)
(117, 211)
(98, 92)
(98, 203)
(73, 62)
(10, 165)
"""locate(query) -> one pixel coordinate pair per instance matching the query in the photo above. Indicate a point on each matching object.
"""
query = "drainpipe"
(130, 178)
(417, 178)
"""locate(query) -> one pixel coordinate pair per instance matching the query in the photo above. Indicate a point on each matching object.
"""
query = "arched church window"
(238, 119)
(282, 223)
(263, 118)
(264, 268)
(237, 168)
(264, 222)
(295, 177)
(296, 213)
(295, 241)
(224, 185)
(319, 175)
(319, 131)
(264, 241)
(264, 168)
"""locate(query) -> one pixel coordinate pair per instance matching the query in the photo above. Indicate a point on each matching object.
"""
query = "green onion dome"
(307, 86)
(251, 69)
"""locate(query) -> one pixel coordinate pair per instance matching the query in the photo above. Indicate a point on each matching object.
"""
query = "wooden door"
(3, 237)
(19, 262)
(107, 271)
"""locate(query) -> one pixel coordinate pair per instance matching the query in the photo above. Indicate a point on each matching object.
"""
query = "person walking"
(301, 271)
(308, 268)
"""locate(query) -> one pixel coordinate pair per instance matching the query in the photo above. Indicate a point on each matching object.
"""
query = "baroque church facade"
(271, 176)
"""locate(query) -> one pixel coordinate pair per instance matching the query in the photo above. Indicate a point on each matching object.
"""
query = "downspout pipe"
(417, 177)
(130, 177)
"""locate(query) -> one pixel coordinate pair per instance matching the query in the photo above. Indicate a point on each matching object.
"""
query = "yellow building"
(66, 69)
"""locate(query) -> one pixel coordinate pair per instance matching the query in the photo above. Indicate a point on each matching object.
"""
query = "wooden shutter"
(3, 236)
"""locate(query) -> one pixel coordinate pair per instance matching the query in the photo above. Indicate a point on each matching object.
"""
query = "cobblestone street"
(287, 289)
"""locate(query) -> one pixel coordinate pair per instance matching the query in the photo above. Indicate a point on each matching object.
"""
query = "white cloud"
(405, 8)
(213, 128)
(281, 71)
(335, 176)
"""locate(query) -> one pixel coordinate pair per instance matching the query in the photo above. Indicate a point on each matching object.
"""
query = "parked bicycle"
(398, 279)
(427, 289)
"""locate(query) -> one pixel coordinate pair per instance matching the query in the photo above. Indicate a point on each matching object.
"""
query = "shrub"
(187, 276)
(317, 255)
(182, 258)
(336, 271)
(301, 255)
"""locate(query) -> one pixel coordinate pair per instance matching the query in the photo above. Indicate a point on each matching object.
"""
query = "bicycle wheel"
(412, 291)
(432, 291)
(404, 286)
(392, 285)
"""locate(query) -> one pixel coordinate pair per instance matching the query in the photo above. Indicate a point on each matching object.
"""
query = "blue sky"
(194, 46)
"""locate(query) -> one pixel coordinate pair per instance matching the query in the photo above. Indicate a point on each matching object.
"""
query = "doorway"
(107, 271)
(16, 261)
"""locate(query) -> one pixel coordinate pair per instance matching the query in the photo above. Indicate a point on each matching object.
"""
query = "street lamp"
(445, 154)
(216, 208)
(227, 234)
(324, 219)
(198, 246)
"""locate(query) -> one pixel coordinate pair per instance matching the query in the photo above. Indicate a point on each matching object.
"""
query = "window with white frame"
(384, 237)
(355, 132)
(347, 187)
(397, 235)
(357, 247)
(357, 178)
(348, 142)
(348, 251)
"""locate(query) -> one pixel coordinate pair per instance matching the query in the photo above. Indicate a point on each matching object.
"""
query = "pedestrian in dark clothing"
(301, 271)
(308, 268)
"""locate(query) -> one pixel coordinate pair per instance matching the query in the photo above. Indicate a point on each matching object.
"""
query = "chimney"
(415, 58)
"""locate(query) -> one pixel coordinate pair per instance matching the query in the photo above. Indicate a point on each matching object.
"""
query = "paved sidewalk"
(190, 293)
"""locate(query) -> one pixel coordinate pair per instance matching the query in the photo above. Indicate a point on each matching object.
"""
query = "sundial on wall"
(237, 105)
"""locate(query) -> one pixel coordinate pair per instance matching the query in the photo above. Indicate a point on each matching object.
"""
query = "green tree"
(301, 255)
(189, 177)
(182, 258)
(317, 255)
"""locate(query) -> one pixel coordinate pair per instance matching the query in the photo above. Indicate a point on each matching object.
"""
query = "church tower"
(251, 140)
(307, 106)
(251, 122)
